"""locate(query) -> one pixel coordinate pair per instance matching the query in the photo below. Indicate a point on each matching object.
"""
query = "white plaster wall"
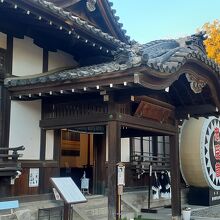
(125, 149)
(49, 144)
(24, 127)
(3, 40)
(60, 59)
(27, 57)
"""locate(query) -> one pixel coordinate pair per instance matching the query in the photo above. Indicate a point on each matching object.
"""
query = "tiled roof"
(116, 18)
(165, 56)
(65, 15)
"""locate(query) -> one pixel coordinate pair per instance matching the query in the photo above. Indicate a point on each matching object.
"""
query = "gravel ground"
(212, 212)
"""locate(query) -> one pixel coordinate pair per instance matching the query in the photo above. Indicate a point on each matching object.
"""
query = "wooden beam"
(42, 144)
(57, 143)
(114, 156)
(5, 99)
(146, 124)
(196, 110)
(175, 177)
(93, 119)
(39, 163)
(45, 60)
(102, 119)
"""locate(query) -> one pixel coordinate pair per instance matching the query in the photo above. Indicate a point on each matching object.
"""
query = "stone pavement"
(198, 213)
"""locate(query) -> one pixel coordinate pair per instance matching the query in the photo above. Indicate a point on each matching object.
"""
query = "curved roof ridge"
(164, 56)
(116, 19)
(68, 15)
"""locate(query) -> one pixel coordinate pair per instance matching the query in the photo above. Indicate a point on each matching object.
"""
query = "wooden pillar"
(114, 156)
(175, 177)
(42, 158)
(5, 101)
(99, 170)
(67, 211)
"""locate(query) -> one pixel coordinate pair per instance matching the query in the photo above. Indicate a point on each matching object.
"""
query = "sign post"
(69, 192)
(120, 169)
(149, 210)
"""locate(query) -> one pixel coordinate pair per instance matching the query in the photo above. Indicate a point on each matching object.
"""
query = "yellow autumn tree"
(212, 43)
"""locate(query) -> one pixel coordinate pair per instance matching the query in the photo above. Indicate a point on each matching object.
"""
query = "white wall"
(24, 127)
(60, 59)
(3, 40)
(27, 57)
(125, 149)
(49, 144)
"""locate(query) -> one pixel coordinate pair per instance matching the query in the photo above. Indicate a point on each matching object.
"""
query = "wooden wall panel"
(21, 185)
(48, 173)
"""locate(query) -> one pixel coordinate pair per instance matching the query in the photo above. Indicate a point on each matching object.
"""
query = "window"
(155, 149)
(70, 144)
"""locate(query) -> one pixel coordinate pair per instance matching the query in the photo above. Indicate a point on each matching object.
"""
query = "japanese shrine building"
(78, 94)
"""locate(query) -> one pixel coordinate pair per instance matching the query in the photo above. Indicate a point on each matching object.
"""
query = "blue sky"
(147, 20)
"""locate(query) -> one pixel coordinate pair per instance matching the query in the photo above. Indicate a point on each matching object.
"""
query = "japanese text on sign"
(121, 175)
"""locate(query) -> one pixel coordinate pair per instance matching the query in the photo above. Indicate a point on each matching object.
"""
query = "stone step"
(98, 209)
(95, 208)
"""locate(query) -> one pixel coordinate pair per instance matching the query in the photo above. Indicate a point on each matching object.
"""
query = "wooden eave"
(139, 77)
(106, 82)
(66, 26)
(103, 7)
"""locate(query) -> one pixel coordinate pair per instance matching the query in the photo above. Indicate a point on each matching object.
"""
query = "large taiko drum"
(200, 152)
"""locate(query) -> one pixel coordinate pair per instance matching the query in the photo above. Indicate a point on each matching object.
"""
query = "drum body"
(200, 152)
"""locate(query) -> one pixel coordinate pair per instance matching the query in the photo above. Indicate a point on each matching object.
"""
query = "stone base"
(203, 196)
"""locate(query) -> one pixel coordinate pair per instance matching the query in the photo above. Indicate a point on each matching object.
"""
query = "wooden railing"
(75, 109)
(72, 109)
(142, 162)
(9, 160)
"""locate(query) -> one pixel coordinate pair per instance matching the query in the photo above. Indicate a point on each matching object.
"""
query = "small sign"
(85, 183)
(56, 194)
(120, 189)
(121, 174)
(34, 177)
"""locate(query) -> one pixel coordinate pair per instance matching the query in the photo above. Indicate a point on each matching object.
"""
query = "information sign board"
(121, 174)
(68, 190)
(34, 177)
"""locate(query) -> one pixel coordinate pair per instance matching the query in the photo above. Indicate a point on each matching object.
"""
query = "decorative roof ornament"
(90, 4)
(195, 41)
(196, 84)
